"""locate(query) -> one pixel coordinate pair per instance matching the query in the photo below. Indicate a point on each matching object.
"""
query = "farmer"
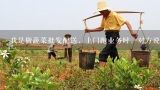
(51, 51)
(68, 47)
(111, 24)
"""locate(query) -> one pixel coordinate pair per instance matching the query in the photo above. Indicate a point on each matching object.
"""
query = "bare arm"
(94, 30)
(129, 26)
(130, 29)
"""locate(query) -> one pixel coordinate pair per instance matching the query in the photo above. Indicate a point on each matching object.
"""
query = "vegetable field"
(31, 70)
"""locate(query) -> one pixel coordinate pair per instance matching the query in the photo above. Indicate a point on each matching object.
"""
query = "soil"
(2, 81)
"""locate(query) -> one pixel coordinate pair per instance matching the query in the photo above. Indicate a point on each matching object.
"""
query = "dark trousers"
(110, 48)
(68, 53)
(51, 54)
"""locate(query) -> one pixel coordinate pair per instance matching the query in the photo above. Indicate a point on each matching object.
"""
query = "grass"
(39, 57)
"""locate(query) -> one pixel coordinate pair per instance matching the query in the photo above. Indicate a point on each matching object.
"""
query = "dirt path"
(2, 82)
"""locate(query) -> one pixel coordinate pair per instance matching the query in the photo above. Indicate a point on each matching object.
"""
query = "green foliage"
(80, 80)
(7, 52)
(154, 80)
(11, 63)
(18, 76)
(122, 75)
(105, 77)
(34, 80)
(59, 66)
(156, 63)
(129, 74)
(18, 64)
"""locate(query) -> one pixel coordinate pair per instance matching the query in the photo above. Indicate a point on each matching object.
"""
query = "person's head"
(102, 8)
(67, 35)
(105, 13)
(53, 45)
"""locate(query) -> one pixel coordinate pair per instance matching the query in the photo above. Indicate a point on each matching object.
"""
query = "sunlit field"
(59, 74)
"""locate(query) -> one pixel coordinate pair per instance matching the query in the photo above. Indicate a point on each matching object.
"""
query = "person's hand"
(84, 20)
(135, 35)
(64, 44)
(86, 30)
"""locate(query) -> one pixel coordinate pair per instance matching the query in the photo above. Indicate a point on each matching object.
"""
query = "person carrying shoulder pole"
(111, 24)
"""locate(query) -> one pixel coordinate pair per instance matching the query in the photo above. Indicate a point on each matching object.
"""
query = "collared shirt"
(113, 22)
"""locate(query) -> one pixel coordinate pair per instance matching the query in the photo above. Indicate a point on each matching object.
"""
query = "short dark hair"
(67, 35)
